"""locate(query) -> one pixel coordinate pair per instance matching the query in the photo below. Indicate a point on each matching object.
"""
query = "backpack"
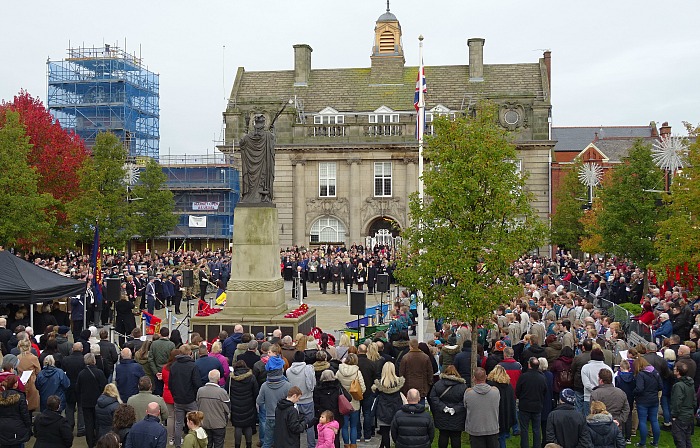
(565, 379)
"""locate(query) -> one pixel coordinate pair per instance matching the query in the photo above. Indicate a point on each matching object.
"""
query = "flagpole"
(421, 128)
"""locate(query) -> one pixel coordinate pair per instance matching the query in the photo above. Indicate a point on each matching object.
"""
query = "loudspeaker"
(383, 282)
(113, 289)
(187, 278)
(358, 303)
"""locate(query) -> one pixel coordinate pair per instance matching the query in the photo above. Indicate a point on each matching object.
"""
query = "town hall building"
(347, 157)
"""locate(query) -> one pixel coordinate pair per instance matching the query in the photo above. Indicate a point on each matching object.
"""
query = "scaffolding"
(203, 186)
(105, 89)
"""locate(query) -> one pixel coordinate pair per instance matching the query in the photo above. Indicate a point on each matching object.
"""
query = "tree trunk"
(475, 345)
(645, 290)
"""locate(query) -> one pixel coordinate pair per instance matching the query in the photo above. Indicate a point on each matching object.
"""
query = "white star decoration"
(131, 174)
(669, 153)
(590, 174)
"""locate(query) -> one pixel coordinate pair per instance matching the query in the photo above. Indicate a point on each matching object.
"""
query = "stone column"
(354, 193)
(299, 203)
(411, 184)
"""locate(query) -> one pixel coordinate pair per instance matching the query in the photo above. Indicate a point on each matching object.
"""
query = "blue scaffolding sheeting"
(105, 89)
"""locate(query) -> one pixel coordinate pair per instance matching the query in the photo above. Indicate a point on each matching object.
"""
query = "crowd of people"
(551, 363)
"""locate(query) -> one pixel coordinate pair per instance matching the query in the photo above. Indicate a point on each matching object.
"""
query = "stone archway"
(383, 223)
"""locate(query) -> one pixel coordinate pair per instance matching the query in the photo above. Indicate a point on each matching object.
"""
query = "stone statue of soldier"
(258, 163)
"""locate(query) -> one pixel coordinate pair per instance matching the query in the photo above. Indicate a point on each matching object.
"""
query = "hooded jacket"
(289, 425)
(346, 375)
(228, 348)
(272, 391)
(243, 392)
(52, 430)
(184, 380)
(15, 419)
(388, 401)
(195, 439)
(326, 398)
(482, 402)
(683, 400)
(104, 414)
(447, 355)
(533, 350)
(567, 427)
(448, 392)
(604, 432)
(52, 381)
(412, 427)
(553, 351)
(626, 382)
(648, 385)
(326, 434)
(302, 375)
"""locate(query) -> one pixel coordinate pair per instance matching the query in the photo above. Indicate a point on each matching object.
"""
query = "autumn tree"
(477, 219)
(57, 155)
(678, 236)
(152, 204)
(25, 213)
(566, 225)
(630, 212)
(103, 195)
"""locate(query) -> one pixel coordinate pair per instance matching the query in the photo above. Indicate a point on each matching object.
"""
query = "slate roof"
(349, 89)
(578, 137)
(618, 148)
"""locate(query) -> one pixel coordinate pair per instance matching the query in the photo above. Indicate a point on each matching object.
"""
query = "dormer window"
(329, 116)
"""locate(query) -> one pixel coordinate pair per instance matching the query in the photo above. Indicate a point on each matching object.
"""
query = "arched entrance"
(384, 223)
(383, 231)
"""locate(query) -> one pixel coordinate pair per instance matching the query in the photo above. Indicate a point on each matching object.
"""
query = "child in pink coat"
(327, 429)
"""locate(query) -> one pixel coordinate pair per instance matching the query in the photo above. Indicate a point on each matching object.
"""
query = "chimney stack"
(302, 64)
(476, 59)
(548, 63)
(665, 130)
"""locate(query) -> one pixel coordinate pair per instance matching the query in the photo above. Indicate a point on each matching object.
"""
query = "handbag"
(344, 405)
(356, 389)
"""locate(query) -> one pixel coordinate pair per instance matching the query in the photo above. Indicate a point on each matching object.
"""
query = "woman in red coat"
(647, 315)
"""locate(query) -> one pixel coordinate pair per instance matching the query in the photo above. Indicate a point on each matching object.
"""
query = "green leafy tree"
(103, 195)
(630, 212)
(678, 237)
(24, 212)
(476, 220)
(567, 228)
(152, 204)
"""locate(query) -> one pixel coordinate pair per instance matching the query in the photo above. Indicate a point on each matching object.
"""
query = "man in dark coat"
(51, 429)
(148, 433)
(336, 273)
(412, 426)
(533, 351)
(91, 382)
(108, 351)
(323, 276)
(5, 335)
(184, 381)
(250, 357)
(463, 361)
(73, 365)
(565, 425)
(206, 364)
(370, 372)
(289, 422)
(530, 390)
(371, 276)
(417, 369)
(128, 372)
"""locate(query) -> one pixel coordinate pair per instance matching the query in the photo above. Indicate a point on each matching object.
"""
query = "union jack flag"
(419, 100)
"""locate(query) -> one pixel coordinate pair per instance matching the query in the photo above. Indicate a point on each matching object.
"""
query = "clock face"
(131, 174)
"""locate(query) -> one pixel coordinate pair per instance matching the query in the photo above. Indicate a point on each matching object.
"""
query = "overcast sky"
(614, 62)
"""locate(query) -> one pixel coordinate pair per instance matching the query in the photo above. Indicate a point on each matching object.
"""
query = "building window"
(382, 179)
(384, 118)
(326, 179)
(327, 230)
(329, 119)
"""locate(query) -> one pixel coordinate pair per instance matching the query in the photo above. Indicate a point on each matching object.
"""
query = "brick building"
(347, 156)
(604, 146)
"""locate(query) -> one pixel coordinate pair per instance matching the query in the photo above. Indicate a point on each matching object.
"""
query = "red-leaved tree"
(57, 154)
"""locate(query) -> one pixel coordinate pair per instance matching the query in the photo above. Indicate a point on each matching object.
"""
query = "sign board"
(199, 206)
(198, 221)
